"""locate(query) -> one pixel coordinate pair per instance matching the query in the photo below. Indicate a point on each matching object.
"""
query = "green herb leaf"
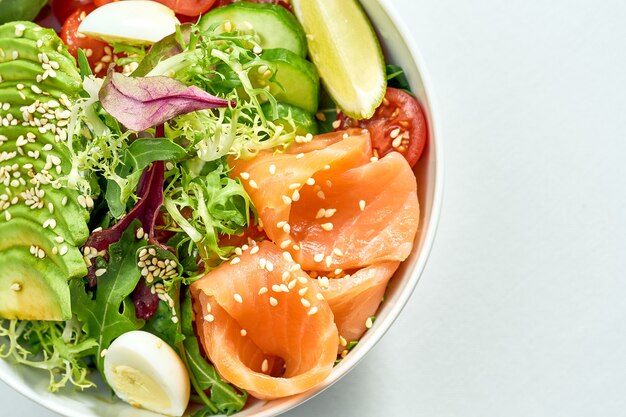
(397, 79)
(83, 64)
(112, 312)
(147, 150)
(20, 9)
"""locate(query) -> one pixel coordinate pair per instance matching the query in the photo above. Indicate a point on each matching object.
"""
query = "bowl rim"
(383, 327)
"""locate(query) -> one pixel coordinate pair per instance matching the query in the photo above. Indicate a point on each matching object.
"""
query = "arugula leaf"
(20, 9)
(83, 64)
(397, 79)
(147, 150)
(112, 312)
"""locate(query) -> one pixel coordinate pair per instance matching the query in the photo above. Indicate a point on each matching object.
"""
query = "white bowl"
(399, 49)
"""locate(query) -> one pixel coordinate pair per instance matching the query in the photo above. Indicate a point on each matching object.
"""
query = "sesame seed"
(321, 195)
(265, 366)
(303, 280)
(397, 142)
(272, 169)
(343, 341)
(296, 195)
(319, 296)
(100, 272)
(362, 205)
(209, 318)
(63, 250)
(235, 261)
(139, 233)
(238, 251)
(262, 263)
(238, 298)
(16, 286)
(269, 266)
(294, 186)
(300, 155)
(318, 257)
(41, 254)
(253, 184)
(285, 244)
(244, 175)
(286, 199)
(302, 291)
(7, 215)
(262, 291)
(338, 271)
(312, 311)
(305, 302)
(327, 226)
(59, 239)
(310, 181)
(243, 332)
(286, 228)
(329, 261)
(284, 288)
(281, 224)
(369, 323)
(254, 250)
(273, 302)
(373, 159)
(257, 49)
(276, 288)
(287, 257)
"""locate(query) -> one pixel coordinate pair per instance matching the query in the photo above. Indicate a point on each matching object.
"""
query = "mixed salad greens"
(115, 186)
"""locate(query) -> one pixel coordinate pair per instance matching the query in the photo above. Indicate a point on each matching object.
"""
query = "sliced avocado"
(35, 93)
(22, 232)
(29, 50)
(19, 69)
(50, 41)
(290, 78)
(32, 290)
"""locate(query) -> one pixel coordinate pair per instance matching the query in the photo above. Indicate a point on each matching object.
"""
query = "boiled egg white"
(134, 22)
(146, 372)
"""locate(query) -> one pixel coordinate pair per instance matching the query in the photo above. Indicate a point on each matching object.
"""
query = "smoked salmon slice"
(331, 206)
(260, 309)
(354, 298)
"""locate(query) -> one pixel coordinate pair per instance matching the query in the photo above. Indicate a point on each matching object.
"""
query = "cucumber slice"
(346, 52)
(275, 26)
(290, 78)
(303, 122)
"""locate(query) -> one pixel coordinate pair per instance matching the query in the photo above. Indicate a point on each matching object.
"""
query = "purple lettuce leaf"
(140, 103)
(150, 193)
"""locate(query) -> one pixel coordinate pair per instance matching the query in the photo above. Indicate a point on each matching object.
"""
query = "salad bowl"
(399, 49)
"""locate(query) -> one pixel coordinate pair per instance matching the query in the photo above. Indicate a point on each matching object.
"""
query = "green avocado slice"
(32, 290)
(27, 49)
(22, 232)
(28, 71)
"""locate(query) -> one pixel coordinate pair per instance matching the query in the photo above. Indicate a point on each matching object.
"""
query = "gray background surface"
(522, 306)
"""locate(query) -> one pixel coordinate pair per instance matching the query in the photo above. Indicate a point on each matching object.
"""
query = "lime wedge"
(344, 48)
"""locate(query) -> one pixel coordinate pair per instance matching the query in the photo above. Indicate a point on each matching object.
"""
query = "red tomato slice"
(397, 125)
(186, 7)
(99, 53)
(62, 9)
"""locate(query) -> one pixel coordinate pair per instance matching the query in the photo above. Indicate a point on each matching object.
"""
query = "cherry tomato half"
(99, 53)
(186, 7)
(62, 9)
(398, 125)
